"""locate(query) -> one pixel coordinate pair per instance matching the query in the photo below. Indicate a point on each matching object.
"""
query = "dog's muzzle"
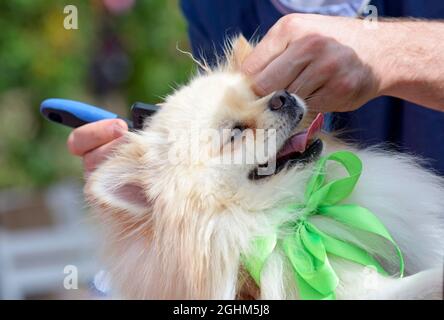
(283, 101)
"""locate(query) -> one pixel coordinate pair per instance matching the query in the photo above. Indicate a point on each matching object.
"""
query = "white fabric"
(350, 8)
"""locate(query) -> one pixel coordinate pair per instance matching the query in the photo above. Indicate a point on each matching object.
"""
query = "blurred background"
(123, 51)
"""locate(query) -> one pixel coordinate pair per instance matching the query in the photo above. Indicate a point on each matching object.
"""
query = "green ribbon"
(307, 247)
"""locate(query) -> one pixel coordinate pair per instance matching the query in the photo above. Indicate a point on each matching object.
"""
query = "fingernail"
(119, 128)
(259, 88)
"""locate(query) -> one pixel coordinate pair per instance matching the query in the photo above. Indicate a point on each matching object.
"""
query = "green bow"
(306, 247)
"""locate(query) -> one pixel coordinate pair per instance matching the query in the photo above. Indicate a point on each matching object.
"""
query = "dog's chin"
(300, 159)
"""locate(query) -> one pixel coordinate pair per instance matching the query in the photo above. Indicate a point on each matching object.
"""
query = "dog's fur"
(177, 230)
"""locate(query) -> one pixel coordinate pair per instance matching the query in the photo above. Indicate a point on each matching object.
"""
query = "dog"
(177, 224)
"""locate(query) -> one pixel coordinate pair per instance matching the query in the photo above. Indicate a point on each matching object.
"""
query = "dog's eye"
(237, 131)
(239, 127)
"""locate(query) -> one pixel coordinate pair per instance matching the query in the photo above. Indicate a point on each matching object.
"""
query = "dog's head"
(213, 145)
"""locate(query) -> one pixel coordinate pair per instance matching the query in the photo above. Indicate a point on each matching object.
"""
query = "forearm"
(411, 62)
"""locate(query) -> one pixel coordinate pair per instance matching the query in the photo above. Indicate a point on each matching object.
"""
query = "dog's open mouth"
(300, 148)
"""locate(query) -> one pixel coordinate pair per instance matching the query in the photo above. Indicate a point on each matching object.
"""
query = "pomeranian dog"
(179, 225)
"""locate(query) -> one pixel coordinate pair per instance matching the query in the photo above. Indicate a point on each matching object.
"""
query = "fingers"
(94, 135)
(319, 101)
(266, 51)
(281, 66)
(327, 99)
(330, 99)
(92, 159)
(281, 71)
(310, 80)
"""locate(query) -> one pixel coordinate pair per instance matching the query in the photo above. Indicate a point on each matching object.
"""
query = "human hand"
(331, 62)
(95, 141)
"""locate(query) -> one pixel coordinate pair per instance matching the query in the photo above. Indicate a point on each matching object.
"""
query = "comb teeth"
(140, 111)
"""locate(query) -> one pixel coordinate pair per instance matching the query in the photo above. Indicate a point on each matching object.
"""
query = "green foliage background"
(40, 59)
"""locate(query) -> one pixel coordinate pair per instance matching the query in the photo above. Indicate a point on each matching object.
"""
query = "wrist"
(391, 62)
(404, 54)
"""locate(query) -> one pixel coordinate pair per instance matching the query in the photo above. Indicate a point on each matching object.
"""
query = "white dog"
(179, 225)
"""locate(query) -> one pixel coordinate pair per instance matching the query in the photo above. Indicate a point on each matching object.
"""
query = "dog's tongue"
(300, 141)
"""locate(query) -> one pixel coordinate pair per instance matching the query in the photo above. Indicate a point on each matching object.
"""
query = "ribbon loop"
(331, 193)
(308, 247)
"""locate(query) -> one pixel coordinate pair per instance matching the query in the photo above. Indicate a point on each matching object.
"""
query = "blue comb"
(75, 114)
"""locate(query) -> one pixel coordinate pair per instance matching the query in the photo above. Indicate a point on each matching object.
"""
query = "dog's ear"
(240, 49)
(117, 185)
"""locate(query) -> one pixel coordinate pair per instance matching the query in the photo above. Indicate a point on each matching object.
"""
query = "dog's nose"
(282, 99)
